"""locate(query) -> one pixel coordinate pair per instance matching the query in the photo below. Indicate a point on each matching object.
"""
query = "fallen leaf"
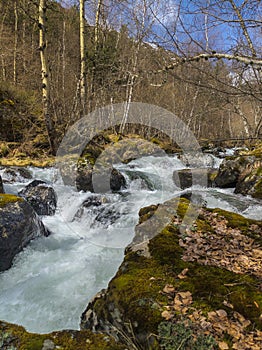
(168, 289)
(166, 315)
(223, 345)
(182, 275)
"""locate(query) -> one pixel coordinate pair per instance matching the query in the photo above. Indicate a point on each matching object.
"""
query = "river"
(53, 279)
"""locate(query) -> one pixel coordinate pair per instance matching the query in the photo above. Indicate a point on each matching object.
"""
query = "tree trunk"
(82, 59)
(45, 76)
(15, 44)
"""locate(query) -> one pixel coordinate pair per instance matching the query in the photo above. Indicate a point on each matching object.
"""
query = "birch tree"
(82, 81)
(45, 75)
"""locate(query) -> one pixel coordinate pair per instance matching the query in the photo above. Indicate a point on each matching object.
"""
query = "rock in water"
(19, 224)
(41, 197)
(1, 186)
(250, 181)
(16, 174)
(230, 170)
(85, 178)
(186, 178)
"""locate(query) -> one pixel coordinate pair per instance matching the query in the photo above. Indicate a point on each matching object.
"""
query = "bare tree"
(82, 58)
(45, 76)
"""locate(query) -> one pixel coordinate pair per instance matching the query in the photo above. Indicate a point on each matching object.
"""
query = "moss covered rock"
(203, 280)
(15, 337)
(230, 170)
(19, 224)
(250, 181)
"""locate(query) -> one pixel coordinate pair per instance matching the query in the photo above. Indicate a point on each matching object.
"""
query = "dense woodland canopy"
(200, 59)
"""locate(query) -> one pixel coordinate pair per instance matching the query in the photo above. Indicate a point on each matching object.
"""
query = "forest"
(130, 174)
(61, 60)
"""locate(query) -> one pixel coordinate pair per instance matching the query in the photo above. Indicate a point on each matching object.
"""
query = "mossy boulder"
(250, 181)
(205, 277)
(13, 337)
(19, 224)
(230, 170)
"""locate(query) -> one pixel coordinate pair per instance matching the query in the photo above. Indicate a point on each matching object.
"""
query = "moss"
(137, 289)
(258, 189)
(28, 161)
(64, 340)
(9, 198)
(241, 223)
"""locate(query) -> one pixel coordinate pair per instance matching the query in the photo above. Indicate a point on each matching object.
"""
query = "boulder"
(16, 174)
(197, 159)
(230, 170)
(250, 182)
(19, 224)
(84, 181)
(203, 177)
(169, 278)
(1, 186)
(41, 197)
(14, 337)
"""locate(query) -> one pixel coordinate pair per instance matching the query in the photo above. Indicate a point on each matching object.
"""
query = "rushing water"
(53, 279)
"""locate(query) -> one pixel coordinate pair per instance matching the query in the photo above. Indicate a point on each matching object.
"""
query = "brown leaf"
(167, 315)
(182, 275)
(223, 345)
(168, 289)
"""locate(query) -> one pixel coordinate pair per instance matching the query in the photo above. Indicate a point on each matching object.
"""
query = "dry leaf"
(182, 275)
(167, 315)
(169, 288)
(223, 345)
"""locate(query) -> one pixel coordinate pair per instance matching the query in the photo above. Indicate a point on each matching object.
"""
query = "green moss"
(258, 189)
(9, 198)
(64, 340)
(241, 223)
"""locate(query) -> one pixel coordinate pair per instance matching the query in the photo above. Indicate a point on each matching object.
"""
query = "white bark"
(45, 74)
(82, 58)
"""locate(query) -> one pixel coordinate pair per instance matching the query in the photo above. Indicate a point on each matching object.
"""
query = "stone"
(41, 197)
(203, 177)
(16, 174)
(85, 178)
(19, 224)
(1, 186)
(230, 170)
(250, 182)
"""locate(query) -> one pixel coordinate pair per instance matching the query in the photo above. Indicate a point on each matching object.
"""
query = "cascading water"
(52, 280)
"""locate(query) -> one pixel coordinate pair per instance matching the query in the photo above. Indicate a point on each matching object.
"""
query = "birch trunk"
(82, 59)
(45, 76)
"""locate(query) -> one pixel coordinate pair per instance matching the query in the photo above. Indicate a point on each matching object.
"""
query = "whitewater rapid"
(54, 278)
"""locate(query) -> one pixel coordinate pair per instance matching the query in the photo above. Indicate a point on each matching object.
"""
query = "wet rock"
(19, 224)
(197, 159)
(41, 197)
(250, 181)
(94, 201)
(84, 181)
(1, 186)
(230, 170)
(16, 174)
(185, 178)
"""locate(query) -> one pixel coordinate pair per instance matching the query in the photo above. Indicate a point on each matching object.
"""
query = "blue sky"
(168, 21)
